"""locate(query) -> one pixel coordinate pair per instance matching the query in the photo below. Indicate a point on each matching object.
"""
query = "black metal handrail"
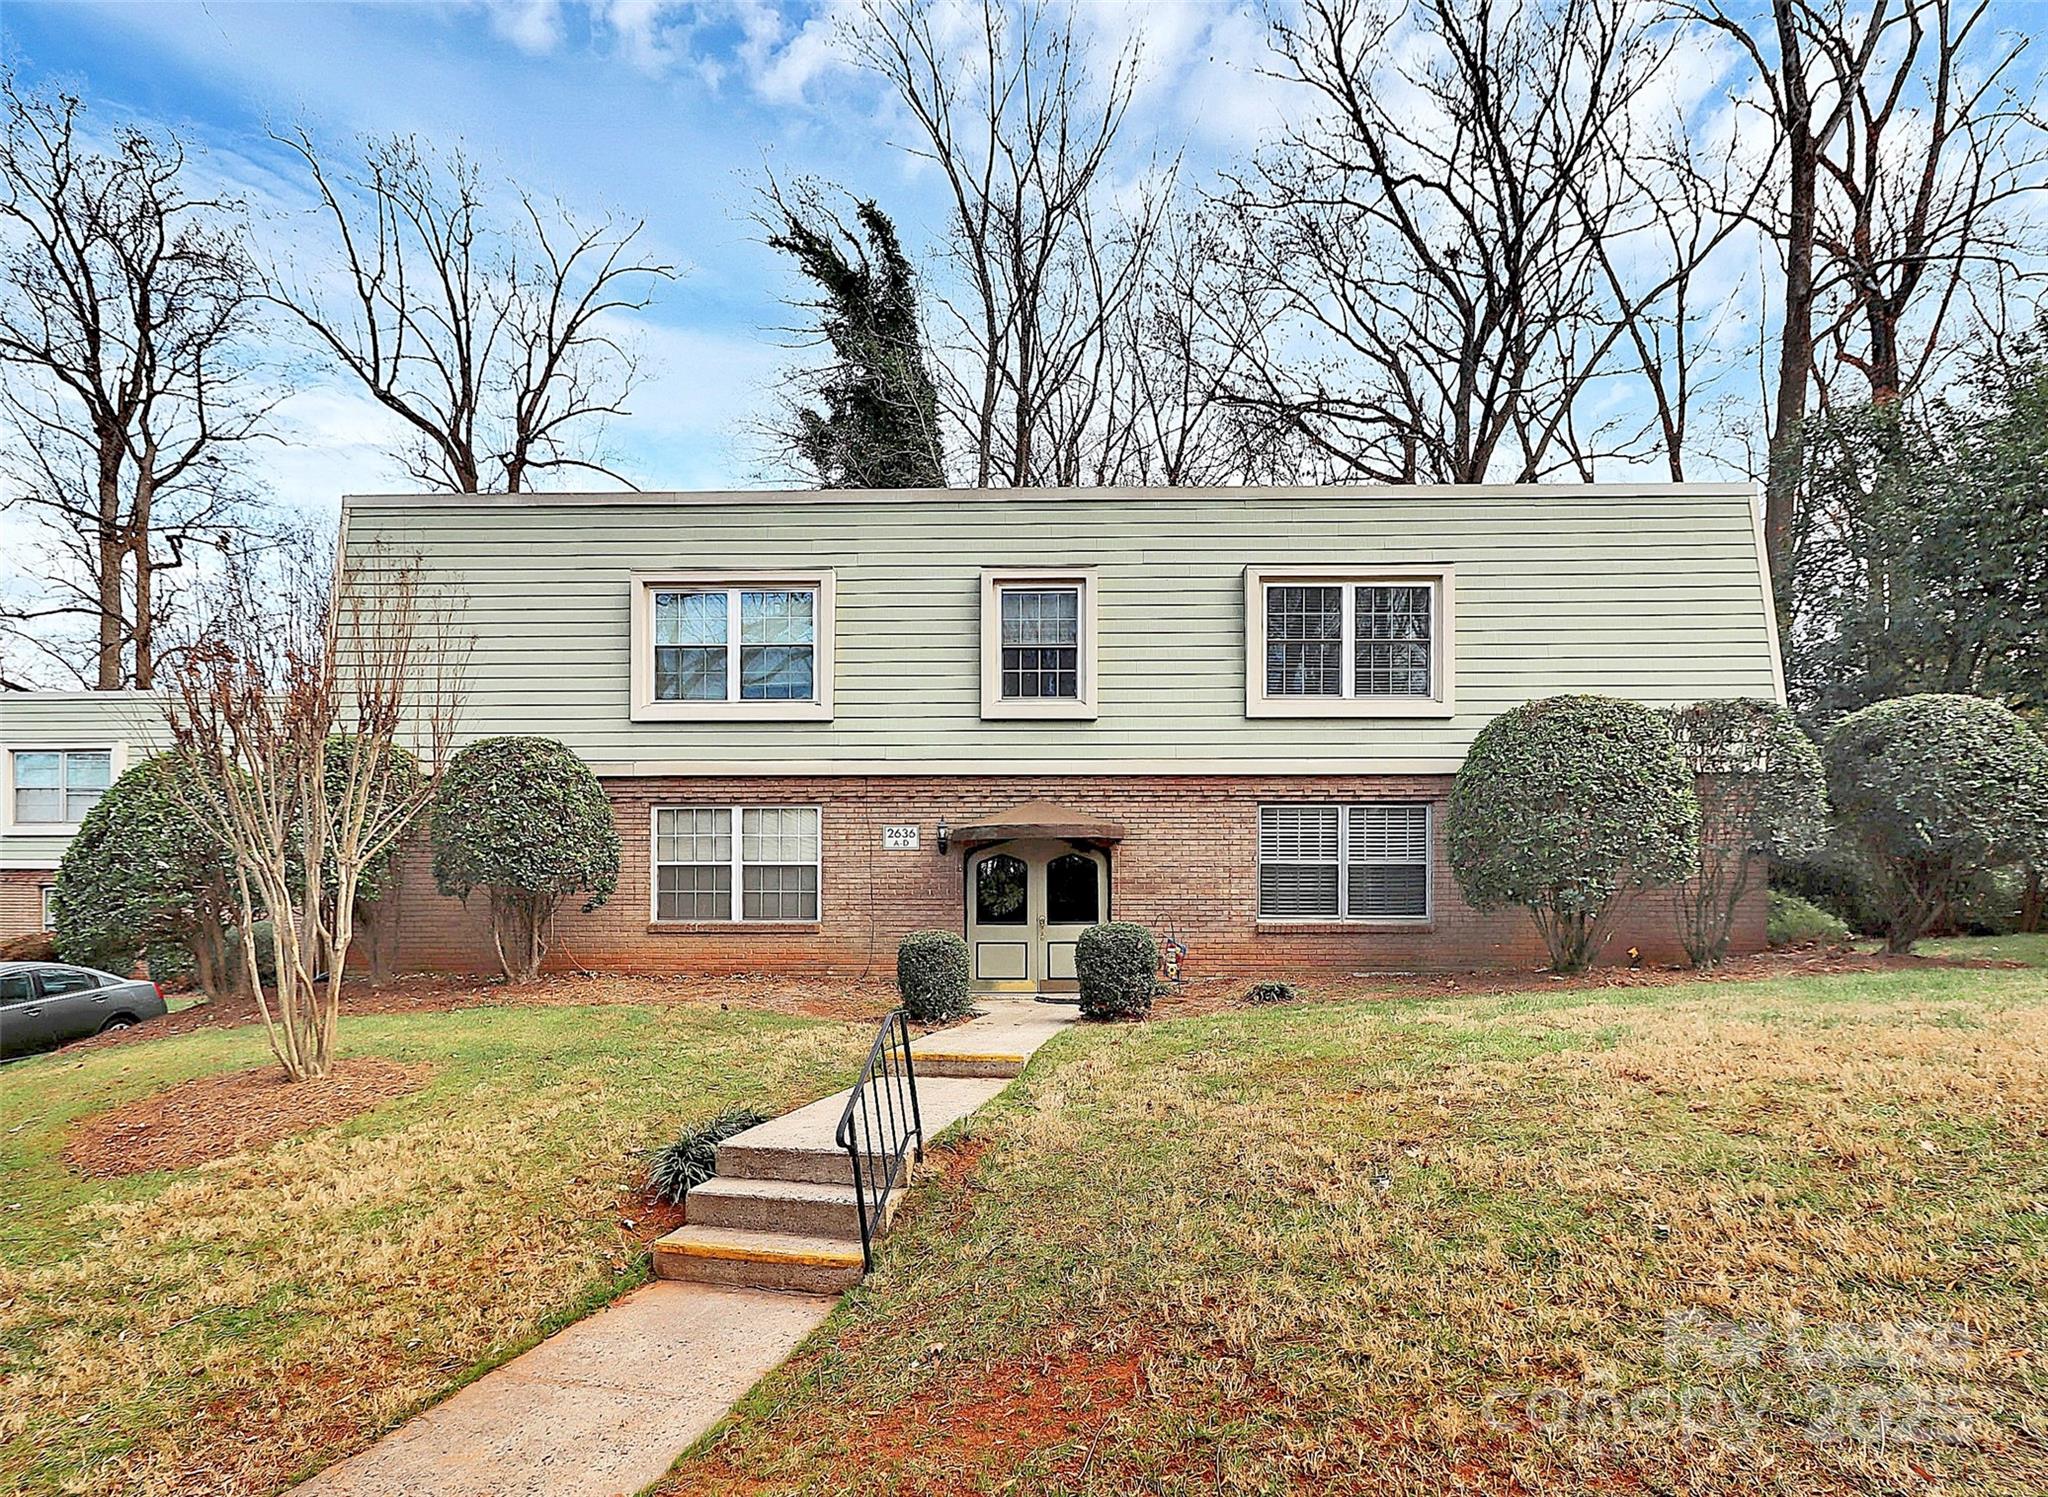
(880, 1126)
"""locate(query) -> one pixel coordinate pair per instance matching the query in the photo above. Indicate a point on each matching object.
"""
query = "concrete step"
(758, 1260)
(799, 1207)
(798, 1145)
(963, 1061)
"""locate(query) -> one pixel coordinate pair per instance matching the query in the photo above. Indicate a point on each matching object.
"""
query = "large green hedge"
(143, 872)
(1561, 806)
(526, 821)
(1934, 790)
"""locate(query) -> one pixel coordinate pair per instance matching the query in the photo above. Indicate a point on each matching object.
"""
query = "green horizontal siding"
(129, 722)
(1653, 593)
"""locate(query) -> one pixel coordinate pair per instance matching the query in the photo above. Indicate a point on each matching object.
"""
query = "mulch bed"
(1213, 994)
(214, 1116)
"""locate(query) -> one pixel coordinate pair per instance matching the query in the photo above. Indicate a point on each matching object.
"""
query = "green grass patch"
(1430, 1245)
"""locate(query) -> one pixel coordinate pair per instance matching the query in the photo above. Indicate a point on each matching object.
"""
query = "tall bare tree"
(127, 304)
(318, 732)
(1429, 244)
(1023, 133)
(1896, 152)
(492, 333)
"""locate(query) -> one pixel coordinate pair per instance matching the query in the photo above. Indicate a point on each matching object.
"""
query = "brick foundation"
(21, 900)
(1188, 865)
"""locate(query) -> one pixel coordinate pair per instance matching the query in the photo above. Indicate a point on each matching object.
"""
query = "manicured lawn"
(1787, 1237)
(223, 1328)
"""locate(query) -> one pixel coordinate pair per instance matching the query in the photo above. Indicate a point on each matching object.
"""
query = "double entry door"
(1027, 904)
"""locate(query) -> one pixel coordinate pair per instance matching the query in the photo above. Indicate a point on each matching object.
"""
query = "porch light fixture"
(945, 832)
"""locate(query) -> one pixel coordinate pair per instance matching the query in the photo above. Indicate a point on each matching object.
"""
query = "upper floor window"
(1363, 644)
(56, 787)
(1038, 644)
(725, 645)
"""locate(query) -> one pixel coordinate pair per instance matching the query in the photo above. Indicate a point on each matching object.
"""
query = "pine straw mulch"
(212, 1117)
(1208, 995)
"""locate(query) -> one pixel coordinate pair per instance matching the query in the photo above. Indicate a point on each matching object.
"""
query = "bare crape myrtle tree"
(318, 730)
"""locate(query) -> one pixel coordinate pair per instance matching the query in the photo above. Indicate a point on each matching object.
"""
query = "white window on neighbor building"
(1347, 644)
(737, 863)
(56, 787)
(727, 646)
(1362, 862)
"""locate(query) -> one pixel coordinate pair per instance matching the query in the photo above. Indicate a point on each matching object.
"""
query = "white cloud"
(533, 26)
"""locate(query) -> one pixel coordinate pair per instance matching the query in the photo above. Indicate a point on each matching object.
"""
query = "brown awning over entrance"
(1039, 818)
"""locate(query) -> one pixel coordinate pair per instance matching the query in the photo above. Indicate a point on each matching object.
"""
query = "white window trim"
(737, 864)
(1443, 662)
(116, 763)
(1344, 811)
(645, 708)
(49, 919)
(994, 705)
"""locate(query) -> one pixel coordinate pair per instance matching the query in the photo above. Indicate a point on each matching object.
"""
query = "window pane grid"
(1382, 872)
(772, 864)
(59, 786)
(1392, 629)
(1041, 642)
(1304, 641)
(1350, 640)
(726, 644)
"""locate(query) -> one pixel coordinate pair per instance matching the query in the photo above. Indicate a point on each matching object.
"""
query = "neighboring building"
(59, 751)
(825, 719)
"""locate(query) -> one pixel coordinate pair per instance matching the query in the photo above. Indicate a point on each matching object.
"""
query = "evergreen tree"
(879, 426)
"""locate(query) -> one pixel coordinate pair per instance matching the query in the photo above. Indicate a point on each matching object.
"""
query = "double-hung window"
(736, 863)
(1360, 862)
(56, 787)
(731, 646)
(1323, 643)
(1038, 643)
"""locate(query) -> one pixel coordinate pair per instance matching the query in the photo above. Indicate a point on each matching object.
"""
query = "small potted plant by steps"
(1118, 968)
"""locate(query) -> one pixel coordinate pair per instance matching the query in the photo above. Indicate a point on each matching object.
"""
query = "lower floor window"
(49, 892)
(736, 863)
(1344, 862)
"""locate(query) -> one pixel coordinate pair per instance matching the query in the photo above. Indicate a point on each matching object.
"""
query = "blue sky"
(650, 108)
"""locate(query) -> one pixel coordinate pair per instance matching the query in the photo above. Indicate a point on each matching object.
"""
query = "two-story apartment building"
(825, 719)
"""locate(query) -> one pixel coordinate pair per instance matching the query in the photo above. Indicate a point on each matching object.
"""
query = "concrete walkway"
(604, 1407)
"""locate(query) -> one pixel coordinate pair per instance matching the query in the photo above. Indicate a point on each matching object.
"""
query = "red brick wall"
(1188, 864)
(21, 900)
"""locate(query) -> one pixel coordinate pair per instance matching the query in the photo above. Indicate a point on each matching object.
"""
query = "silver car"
(46, 1003)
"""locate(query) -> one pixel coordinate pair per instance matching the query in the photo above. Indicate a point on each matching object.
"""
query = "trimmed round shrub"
(526, 821)
(144, 874)
(1118, 966)
(1762, 793)
(1934, 790)
(931, 975)
(1271, 991)
(1563, 805)
(1795, 922)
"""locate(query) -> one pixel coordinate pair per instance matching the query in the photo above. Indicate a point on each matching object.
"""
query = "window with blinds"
(1344, 862)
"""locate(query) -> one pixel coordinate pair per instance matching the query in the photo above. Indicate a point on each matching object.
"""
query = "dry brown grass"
(219, 1330)
(1434, 1247)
